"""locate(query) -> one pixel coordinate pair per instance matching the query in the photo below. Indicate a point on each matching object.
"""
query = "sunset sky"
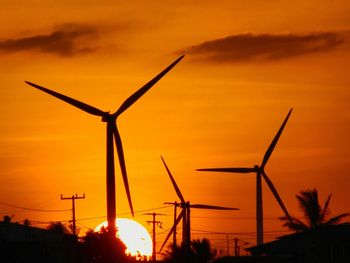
(247, 63)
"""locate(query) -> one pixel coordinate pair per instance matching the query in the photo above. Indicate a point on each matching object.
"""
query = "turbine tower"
(260, 171)
(112, 132)
(185, 213)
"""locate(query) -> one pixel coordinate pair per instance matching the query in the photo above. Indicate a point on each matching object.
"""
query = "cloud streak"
(66, 41)
(264, 47)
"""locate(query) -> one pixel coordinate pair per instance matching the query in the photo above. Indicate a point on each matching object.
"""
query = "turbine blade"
(278, 198)
(81, 105)
(274, 141)
(119, 146)
(134, 97)
(200, 206)
(178, 219)
(177, 190)
(228, 170)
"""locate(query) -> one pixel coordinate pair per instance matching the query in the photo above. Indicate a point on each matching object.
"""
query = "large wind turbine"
(185, 213)
(260, 171)
(112, 131)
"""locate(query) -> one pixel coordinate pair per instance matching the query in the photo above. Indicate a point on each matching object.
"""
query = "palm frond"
(296, 225)
(335, 220)
(314, 214)
(309, 204)
(325, 210)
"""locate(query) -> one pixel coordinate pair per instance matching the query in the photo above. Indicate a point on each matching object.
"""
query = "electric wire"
(195, 232)
(33, 209)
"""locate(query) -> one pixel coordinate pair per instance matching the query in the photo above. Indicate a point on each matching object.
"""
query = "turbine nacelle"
(109, 117)
(258, 169)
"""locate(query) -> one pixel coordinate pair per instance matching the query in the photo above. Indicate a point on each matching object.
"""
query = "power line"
(150, 209)
(36, 210)
(127, 213)
(234, 233)
(81, 219)
(235, 217)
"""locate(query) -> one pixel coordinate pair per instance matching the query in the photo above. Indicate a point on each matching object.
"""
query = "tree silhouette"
(202, 250)
(315, 215)
(179, 254)
(199, 252)
(58, 227)
(102, 247)
(27, 222)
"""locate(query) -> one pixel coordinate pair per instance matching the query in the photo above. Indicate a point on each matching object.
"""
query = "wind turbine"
(112, 132)
(185, 213)
(260, 171)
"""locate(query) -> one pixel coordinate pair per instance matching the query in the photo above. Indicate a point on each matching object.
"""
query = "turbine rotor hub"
(258, 168)
(184, 205)
(108, 117)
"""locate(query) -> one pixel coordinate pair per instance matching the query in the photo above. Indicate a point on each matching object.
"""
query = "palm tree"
(315, 215)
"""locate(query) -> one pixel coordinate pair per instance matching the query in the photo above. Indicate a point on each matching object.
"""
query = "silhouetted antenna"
(154, 223)
(260, 172)
(73, 198)
(113, 136)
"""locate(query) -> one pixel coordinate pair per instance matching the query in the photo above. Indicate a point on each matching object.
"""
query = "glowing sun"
(137, 240)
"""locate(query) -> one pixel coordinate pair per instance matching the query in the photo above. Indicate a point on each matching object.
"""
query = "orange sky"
(246, 65)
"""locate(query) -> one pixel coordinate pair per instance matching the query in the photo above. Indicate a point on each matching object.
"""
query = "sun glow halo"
(136, 238)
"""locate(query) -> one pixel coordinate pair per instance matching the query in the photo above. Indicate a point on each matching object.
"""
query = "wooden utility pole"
(227, 245)
(236, 247)
(154, 222)
(174, 236)
(73, 207)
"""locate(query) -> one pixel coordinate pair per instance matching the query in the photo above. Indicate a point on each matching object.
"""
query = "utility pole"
(73, 207)
(227, 245)
(154, 222)
(236, 247)
(176, 204)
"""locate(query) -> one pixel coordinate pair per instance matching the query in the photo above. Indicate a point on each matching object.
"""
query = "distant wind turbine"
(112, 131)
(185, 213)
(260, 171)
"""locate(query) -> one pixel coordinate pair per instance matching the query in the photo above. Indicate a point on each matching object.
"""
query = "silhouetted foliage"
(102, 247)
(7, 219)
(26, 222)
(199, 252)
(202, 250)
(179, 254)
(315, 215)
(58, 227)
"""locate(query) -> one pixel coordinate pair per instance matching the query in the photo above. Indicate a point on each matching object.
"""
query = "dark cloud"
(65, 40)
(264, 47)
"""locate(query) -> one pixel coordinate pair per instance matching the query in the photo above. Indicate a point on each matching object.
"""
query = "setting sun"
(135, 237)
